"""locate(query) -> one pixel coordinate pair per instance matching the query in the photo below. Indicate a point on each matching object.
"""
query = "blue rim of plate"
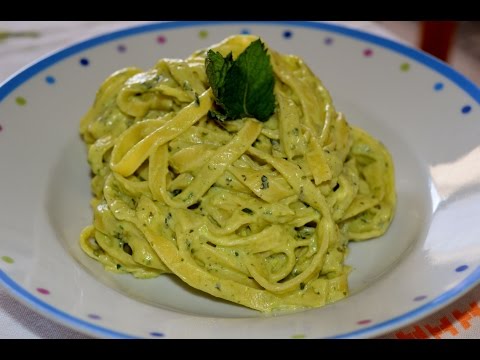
(389, 325)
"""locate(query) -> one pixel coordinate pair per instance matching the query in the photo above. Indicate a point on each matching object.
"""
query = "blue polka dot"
(466, 109)
(50, 80)
(287, 34)
(438, 86)
(461, 268)
(245, 32)
(157, 334)
(328, 41)
(84, 62)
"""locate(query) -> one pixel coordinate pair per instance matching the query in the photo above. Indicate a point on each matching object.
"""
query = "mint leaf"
(242, 87)
(217, 67)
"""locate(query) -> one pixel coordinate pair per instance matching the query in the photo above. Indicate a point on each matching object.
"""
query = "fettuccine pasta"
(256, 213)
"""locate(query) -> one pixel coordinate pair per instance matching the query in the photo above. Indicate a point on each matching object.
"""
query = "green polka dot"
(20, 101)
(298, 336)
(8, 259)
(405, 67)
(203, 34)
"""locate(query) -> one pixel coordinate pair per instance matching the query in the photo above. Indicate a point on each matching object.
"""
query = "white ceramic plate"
(426, 113)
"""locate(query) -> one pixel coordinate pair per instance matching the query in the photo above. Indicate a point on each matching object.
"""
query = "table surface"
(23, 42)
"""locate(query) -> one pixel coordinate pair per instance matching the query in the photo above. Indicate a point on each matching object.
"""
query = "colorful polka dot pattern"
(157, 334)
(203, 34)
(50, 80)
(43, 291)
(405, 67)
(7, 259)
(439, 86)
(287, 34)
(368, 52)
(20, 100)
(418, 298)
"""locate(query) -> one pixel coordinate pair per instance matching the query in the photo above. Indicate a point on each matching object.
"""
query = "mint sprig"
(242, 87)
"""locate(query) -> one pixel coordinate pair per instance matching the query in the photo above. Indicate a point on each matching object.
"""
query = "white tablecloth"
(23, 42)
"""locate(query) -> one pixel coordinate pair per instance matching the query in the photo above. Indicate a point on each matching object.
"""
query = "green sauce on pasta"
(256, 213)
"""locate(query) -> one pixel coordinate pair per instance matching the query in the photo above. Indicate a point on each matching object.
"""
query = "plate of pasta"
(239, 180)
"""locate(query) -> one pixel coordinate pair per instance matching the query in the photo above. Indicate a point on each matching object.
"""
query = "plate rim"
(27, 72)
